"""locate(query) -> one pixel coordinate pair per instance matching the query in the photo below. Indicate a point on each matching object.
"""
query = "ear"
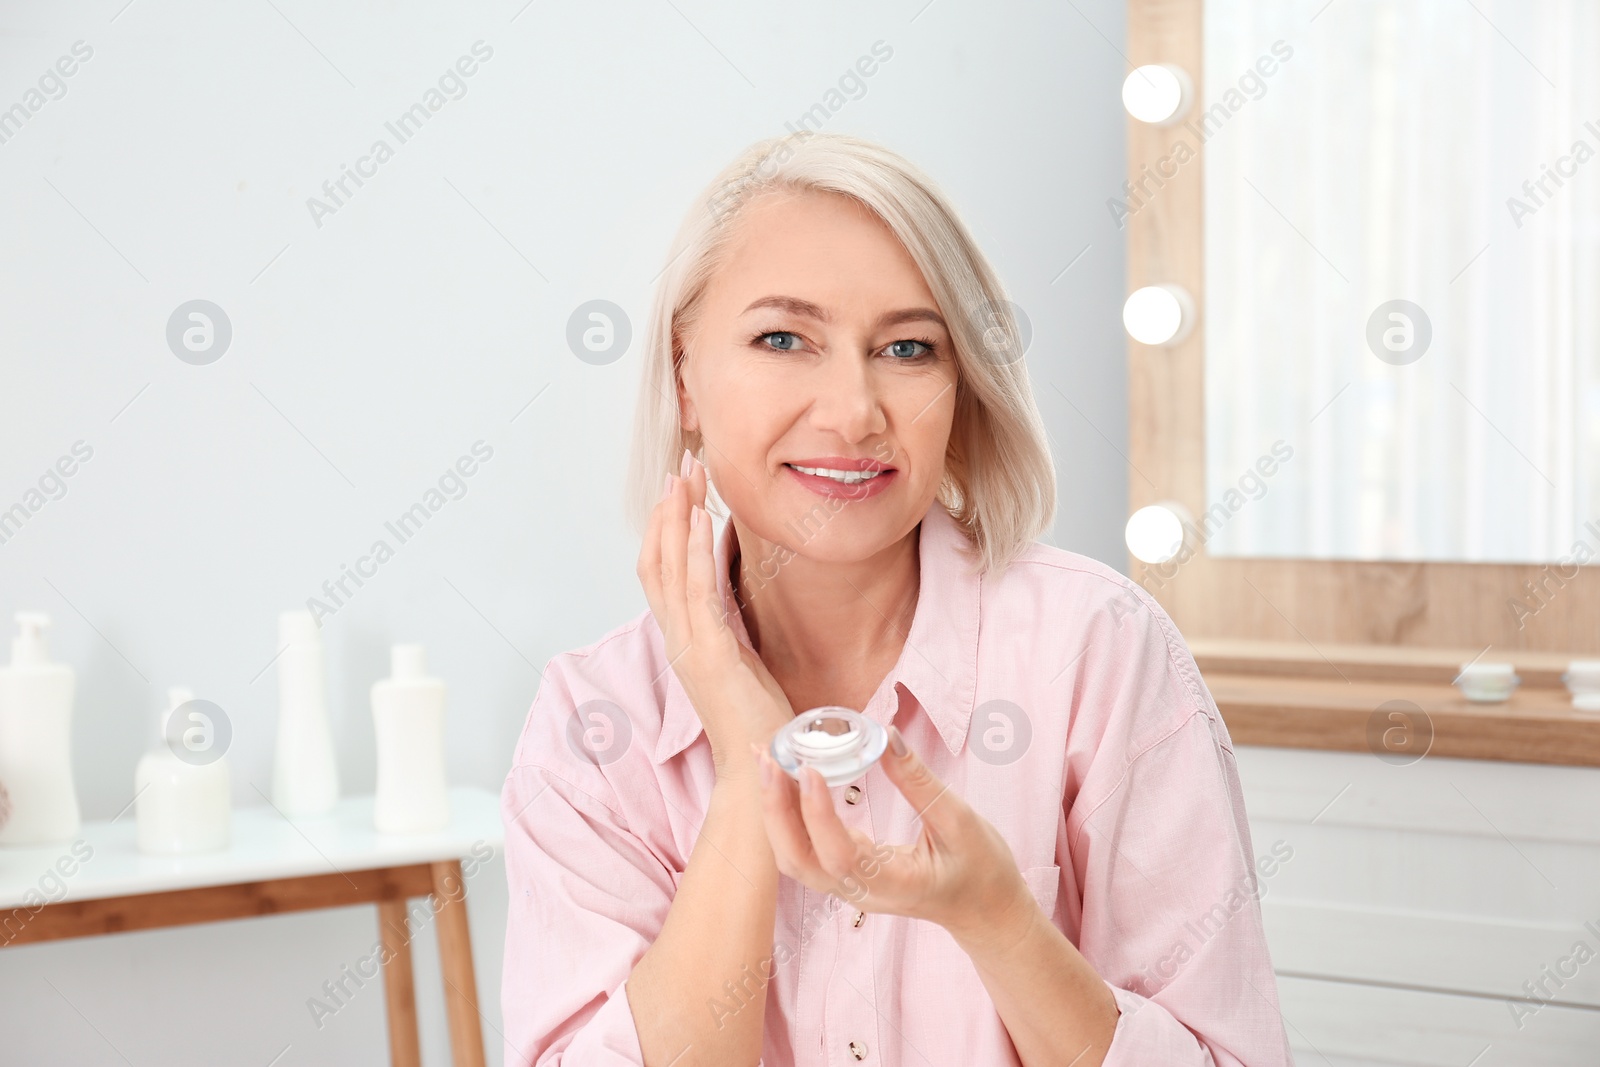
(688, 418)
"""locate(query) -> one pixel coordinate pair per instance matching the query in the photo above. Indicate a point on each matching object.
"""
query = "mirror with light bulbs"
(1401, 278)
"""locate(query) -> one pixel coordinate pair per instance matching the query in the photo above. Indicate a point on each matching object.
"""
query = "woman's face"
(820, 346)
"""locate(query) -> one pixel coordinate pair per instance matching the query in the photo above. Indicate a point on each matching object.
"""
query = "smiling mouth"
(843, 477)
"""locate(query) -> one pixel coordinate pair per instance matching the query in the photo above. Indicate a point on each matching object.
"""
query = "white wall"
(371, 351)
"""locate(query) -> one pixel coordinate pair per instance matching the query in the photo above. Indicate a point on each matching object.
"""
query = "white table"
(273, 865)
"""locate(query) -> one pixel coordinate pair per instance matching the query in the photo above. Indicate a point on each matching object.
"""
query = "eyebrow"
(796, 306)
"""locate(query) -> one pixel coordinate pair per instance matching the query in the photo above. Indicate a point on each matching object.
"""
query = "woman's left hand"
(959, 873)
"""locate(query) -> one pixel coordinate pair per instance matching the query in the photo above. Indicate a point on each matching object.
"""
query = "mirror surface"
(1402, 279)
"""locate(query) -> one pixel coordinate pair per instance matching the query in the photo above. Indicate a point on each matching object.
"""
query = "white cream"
(840, 744)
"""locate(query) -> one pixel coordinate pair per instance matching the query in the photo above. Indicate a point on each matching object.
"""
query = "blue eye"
(794, 340)
(788, 341)
(903, 356)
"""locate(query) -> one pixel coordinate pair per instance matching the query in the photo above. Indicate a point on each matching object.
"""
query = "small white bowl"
(1487, 683)
(1583, 682)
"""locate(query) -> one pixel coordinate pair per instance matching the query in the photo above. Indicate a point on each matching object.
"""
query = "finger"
(649, 566)
(943, 812)
(837, 852)
(698, 479)
(699, 482)
(674, 554)
(786, 830)
(703, 593)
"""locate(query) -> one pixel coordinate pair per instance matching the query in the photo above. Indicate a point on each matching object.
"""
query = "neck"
(832, 622)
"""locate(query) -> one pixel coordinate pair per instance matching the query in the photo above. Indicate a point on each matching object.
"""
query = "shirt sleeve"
(1171, 915)
(587, 899)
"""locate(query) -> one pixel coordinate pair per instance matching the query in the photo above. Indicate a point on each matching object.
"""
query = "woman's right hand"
(736, 697)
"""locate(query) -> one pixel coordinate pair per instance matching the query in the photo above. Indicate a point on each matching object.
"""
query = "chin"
(832, 531)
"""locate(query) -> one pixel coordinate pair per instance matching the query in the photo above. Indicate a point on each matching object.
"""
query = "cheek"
(924, 422)
(727, 406)
(934, 389)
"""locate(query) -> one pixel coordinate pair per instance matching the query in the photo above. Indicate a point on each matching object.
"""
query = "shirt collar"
(938, 666)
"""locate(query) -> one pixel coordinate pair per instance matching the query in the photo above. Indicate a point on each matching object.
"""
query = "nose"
(847, 400)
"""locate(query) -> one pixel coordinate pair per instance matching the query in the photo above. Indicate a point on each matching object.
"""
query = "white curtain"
(1377, 164)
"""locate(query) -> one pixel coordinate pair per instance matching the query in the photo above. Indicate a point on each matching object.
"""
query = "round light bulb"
(1158, 93)
(1158, 314)
(1155, 534)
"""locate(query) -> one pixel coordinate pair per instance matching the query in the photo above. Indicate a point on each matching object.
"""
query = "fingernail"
(666, 487)
(805, 782)
(694, 516)
(687, 464)
(897, 744)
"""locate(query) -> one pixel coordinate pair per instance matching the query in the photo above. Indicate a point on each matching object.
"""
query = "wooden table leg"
(405, 1050)
(455, 964)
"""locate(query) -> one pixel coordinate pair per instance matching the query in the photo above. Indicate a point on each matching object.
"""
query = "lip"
(827, 487)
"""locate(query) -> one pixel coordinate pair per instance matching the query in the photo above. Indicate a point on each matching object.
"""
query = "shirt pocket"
(1044, 882)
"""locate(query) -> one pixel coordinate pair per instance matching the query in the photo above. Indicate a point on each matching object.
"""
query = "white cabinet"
(1441, 912)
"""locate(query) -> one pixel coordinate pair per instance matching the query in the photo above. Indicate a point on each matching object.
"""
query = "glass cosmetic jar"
(1487, 683)
(1583, 682)
(839, 743)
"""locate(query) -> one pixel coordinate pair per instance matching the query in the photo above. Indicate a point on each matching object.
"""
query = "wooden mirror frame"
(1407, 622)
(1429, 605)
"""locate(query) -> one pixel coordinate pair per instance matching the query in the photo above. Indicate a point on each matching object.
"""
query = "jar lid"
(1585, 672)
(1485, 670)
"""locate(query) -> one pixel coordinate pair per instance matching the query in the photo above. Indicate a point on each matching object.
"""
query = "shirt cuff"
(1147, 1033)
(609, 1038)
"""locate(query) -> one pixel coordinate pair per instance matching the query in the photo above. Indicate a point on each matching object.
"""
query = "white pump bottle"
(36, 740)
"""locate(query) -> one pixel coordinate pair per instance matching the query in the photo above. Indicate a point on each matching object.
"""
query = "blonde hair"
(999, 479)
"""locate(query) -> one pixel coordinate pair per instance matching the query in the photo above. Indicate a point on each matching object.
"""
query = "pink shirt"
(1059, 700)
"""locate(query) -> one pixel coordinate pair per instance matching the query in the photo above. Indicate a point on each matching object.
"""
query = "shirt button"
(858, 1050)
(852, 795)
(861, 917)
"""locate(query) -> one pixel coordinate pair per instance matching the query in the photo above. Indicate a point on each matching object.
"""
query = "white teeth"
(847, 477)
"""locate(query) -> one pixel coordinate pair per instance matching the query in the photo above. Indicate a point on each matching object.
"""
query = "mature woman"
(1050, 865)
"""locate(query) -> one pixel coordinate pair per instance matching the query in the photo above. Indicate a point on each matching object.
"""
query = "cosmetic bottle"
(408, 717)
(183, 791)
(305, 775)
(36, 740)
